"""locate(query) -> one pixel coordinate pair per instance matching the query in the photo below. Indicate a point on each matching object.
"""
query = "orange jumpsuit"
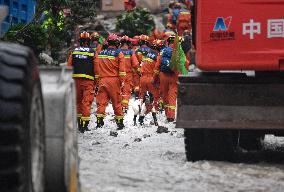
(82, 60)
(131, 67)
(168, 86)
(140, 53)
(183, 21)
(147, 71)
(110, 70)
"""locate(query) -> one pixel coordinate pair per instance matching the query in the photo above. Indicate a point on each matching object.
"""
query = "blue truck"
(19, 11)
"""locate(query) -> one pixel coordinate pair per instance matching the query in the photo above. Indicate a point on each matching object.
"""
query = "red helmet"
(125, 39)
(113, 37)
(113, 40)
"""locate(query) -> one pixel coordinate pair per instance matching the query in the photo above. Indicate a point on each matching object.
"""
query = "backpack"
(165, 60)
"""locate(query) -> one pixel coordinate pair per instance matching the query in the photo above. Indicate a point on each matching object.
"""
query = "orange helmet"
(157, 44)
(95, 36)
(84, 35)
(143, 38)
(84, 38)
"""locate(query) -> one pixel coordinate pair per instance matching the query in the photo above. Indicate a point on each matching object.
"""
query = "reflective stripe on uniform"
(118, 117)
(83, 76)
(97, 76)
(127, 56)
(85, 118)
(124, 101)
(101, 115)
(83, 53)
(122, 73)
(79, 115)
(147, 59)
(185, 13)
(173, 107)
(106, 57)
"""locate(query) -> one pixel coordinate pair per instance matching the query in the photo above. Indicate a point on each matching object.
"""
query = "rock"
(46, 58)
(162, 129)
(95, 143)
(137, 139)
(113, 133)
(126, 145)
(146, 135)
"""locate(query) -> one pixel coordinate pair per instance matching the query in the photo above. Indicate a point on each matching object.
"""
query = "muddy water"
(157, 163)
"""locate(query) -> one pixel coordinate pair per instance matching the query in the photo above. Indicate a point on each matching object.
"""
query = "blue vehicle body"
(20, 11)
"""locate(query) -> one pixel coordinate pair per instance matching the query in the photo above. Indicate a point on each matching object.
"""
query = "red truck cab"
(240, 35)
(222, 107)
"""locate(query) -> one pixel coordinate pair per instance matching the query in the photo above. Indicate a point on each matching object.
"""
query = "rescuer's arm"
(155, 79)
(121, 67)
(69, 63)
(135, 64)
(139, 56)
(96, 69)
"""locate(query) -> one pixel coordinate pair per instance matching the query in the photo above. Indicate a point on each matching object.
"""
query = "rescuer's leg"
(172, 96)
(114, 93)
(102, 102)
(79, 96)
(88, 98)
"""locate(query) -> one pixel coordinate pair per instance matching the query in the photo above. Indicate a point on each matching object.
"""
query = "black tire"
(21, 121)
(251, 140)
(203, 144)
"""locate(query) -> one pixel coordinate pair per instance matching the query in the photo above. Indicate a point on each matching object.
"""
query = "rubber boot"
(155, 119)
(80, 126)
(119, 123)
(100, 122)
(85, 125)
(134, 120)
(141, 120)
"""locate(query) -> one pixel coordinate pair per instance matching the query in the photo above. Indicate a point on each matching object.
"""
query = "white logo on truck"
(251, 28)
(275, 28)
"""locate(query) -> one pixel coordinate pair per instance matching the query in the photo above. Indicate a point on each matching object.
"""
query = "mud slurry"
(158, 163)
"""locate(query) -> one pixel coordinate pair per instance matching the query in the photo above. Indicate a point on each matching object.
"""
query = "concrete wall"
(118, 5)
(112, 5)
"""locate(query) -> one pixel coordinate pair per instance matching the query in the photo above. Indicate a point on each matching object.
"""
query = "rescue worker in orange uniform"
(95, 44)
(131, 67)
(183, 19)
(168, 80)
(82, 60)
(110, 73)
(129, 5)
(169, 16)
(149, 61)
(140, 53)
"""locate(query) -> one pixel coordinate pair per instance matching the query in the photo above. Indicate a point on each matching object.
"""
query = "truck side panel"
(240, 35)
